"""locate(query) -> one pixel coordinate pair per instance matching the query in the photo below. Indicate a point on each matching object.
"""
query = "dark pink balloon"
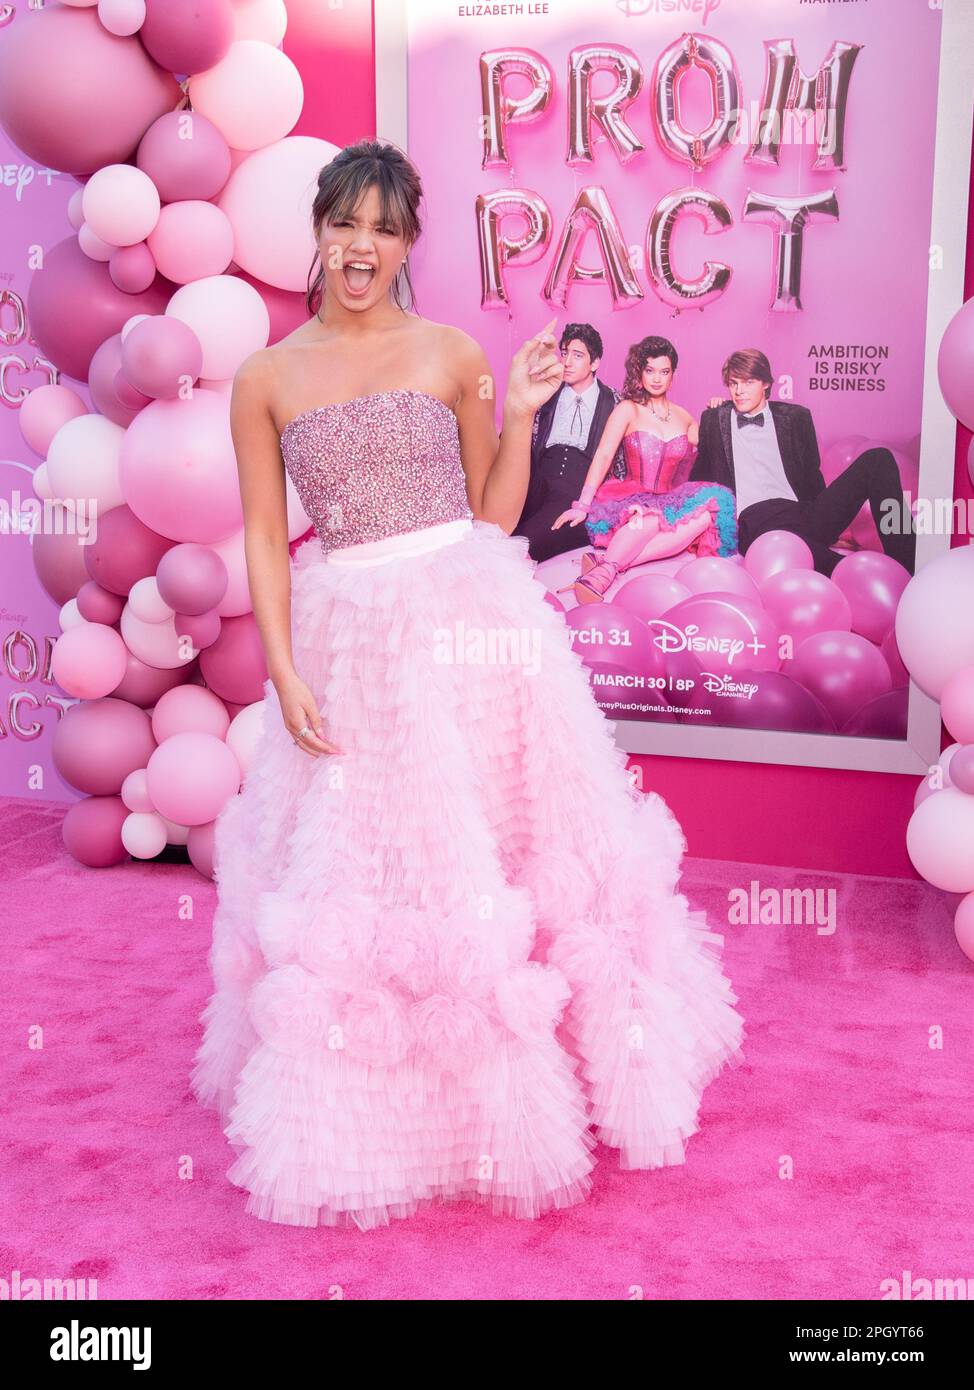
(202, 629)
(650, 595)
(131, 398)
(125, 551)
(99, 742)
(235, 667)
(286, 308)
(73, 306)
(873, 584)
(778, 702)
(59, 560)
(160, 354)
(884, 717)
(898, 672)
(92, 831)
(602, 632)
(842, 670)
(187, 35)
(132, 268)
(142, 684)
(725, 632)
(98, 605)
(105, 366)
(75, 97)
(199, 847)
(185, 156)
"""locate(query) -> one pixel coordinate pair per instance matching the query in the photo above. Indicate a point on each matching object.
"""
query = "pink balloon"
(97, 743)
(964, 926)
(74, 97)
(192, 239)
(143, 684)
(804, 602)
(873, 585)
(940, 840)
(161, 356)
(725, 632)
(124, 551)
(778, 702)
(188, 440)
(189, 709)
(44, 411)
(839, 454)
(88, 661)
(74, 306)
(128, 396)
(185, 156)
(883, 717)
(604, 633)
(192, 578)
(924, 790)
(201, 629)
(102, 374)
(235, 665)
(842, 670)
(650, 595)
(898, 672)
(187, 35)
(957, 705)
(955, 364)
(932, 642)
(132, 268)
(962, 769)
(191, 776)
(714, 574)
(92, 831)
(199, 847)
(121, 204)
(774, 551)
(58, 558)
(286, 308)
(97, 605)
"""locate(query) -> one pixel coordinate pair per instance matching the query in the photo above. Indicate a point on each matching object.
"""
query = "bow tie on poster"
(750, 420)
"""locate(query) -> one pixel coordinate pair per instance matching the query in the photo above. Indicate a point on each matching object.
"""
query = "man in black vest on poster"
(564, 437)
(767, 453)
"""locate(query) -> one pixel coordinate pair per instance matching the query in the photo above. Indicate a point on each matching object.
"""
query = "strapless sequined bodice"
(657, 465)
(376, 466)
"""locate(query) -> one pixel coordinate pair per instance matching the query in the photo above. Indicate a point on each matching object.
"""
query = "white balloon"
(93, 246)
(265, 20)
(121, 204)
(147, 603)
(122, 17)
(175, 834)
(70, 616)
(82, 462)
(229, 318)
(135, 791)
(244, 732)
(224, 94)
(42, 483)
(144, 834)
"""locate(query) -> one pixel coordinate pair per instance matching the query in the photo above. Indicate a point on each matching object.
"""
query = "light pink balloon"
(191, 776)
(229, 318)
(121, 204)
(44, 411)
(202, 629)
(224, 94)
(842, 670)
(840, 453)
(964, 926)
(88, 661)
(102, 374)
(804, 602)
(774, 551)
(962, 769)
(933, 632)
(873, 584)
(144, 834)
(157, 644)
(161, 356)
(955, 364)
(957, 705)
(178, 469)
(122, 17)
(94, 247)
(924, 790)
(268, 200)
(940, 840)
(192, 578)
(650, 595)
(189, 709)
(199, 847)
(245, 732)
(135, 792)
(191, 240)
(714, 574)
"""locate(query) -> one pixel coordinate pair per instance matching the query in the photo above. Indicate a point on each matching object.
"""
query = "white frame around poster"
(948, 230)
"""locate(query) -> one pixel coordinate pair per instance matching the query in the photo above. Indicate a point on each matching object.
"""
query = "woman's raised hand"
(536, 372)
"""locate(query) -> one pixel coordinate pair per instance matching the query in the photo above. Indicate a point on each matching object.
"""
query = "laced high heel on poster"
(592, 587)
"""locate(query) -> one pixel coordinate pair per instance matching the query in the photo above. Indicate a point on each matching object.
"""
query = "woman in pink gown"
(654, 511)
(433, 978)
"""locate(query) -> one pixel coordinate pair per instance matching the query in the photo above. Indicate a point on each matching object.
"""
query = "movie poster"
(729, 209)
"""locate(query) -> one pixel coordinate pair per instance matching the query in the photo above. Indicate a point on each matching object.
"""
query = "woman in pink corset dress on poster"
(654, 511)
(433, 978)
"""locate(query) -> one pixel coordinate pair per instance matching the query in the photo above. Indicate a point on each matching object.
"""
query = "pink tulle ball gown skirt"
(450, 959)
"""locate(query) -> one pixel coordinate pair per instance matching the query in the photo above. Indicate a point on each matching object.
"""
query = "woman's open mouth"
(358, 276)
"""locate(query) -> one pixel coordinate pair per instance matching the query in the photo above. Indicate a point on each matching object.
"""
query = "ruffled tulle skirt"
(611, 505)
(450, 959)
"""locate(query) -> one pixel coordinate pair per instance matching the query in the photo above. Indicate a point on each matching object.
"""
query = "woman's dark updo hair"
(636, 358)
(342, 183)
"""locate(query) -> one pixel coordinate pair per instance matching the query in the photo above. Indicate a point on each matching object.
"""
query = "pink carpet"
(100, 1131)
